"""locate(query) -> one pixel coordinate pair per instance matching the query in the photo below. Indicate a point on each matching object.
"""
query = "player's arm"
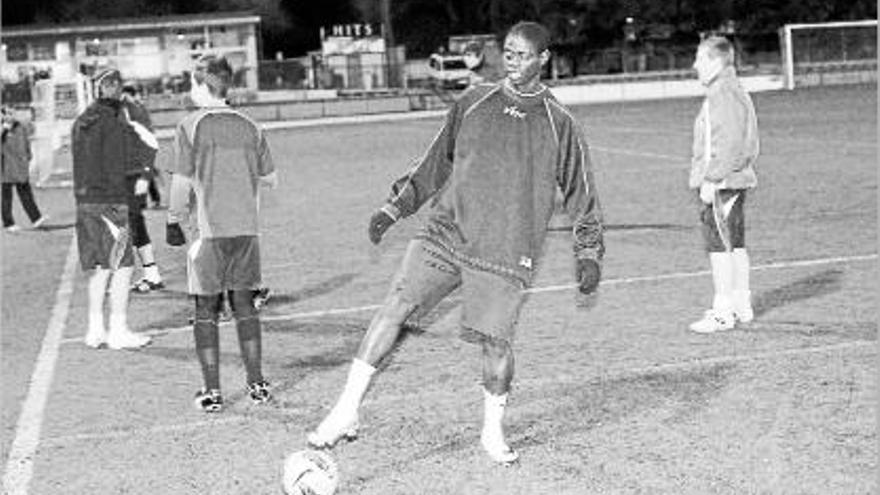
(728, 118)
(581, 201)
(183, 168)
(266, 166)
(426, 177)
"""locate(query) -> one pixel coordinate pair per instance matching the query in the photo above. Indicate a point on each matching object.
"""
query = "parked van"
(448, 71)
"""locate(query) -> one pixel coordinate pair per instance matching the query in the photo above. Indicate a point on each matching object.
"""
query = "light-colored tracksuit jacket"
(728, 116)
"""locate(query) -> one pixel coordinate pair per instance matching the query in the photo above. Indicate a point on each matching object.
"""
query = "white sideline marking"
(536, 290)
(646, 154)
(20, 464)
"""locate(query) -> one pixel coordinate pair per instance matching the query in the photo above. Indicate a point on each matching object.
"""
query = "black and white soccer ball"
(310, 472)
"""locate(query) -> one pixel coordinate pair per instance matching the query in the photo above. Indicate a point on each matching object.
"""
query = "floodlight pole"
(388, 35)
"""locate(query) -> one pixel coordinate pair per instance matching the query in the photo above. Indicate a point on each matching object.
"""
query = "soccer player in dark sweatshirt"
(490, 176)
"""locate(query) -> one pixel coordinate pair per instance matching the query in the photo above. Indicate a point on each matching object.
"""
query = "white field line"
(536, 290)
(768, 137)
(20, 463)
(534, 382)
(646, 154)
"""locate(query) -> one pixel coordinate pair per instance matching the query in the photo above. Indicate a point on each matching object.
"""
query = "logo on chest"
(514, 112)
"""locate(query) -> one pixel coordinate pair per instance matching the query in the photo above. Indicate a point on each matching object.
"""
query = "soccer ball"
(310, 472)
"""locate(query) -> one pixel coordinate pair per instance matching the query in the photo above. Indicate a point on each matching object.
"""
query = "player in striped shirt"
(223, 157)
(490, 177)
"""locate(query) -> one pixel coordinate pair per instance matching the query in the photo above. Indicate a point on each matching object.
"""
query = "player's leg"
(119, 336)
(6, 199)
(207, 341)
(26, 195)
(242, 280)
(425, 277)
(742, 295)
(490, 310)
(97, 333)
(720, 316)
(140, 238)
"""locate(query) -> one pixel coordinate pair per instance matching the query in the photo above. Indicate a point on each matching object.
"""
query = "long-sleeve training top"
(492, 174)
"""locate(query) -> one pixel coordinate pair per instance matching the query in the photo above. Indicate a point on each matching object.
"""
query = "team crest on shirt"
(514, 112)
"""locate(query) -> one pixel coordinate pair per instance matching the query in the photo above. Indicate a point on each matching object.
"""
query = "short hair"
(107, 75)
(534, 33)
(719, 47)
(218, 76)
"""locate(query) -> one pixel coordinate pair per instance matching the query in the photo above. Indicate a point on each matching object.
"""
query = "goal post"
(809, 51)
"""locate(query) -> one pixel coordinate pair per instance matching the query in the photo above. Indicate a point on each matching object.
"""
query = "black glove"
(588, 275)
(174, 235)
(379, 223)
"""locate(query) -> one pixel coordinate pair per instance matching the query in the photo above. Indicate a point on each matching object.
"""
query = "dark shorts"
(219, 264)
(490, 303)
(734, 201)
(102, 236)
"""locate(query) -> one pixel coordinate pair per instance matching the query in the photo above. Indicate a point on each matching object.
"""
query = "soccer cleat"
(209, 400)
(95, 339)
(259, 392)
(126, 339)
(40, 221)
(13, 229)
(713, 321)
(498, 449)
(332, 430)
(143, 285)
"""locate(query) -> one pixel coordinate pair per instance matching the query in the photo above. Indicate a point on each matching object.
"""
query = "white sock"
(493, 415)
(741, 268)
(119, 290)
(151, 273)
(97, 288)
(148, 260)
(722, 280)
(359, 377)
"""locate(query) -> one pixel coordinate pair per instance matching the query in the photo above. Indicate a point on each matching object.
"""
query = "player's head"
(108, 84)
(526, 50)
(473, 55)
(218, 76)
(713, 55)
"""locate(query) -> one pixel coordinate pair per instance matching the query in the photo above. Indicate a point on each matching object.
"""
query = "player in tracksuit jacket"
(725, 149)
(489, 178)
(103, 144)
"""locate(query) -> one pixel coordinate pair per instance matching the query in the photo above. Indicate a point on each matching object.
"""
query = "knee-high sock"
(722, 279)
(359, 377)
(207, 339)
(493, 415)
(741, 272)
(97, 289)
(119, 291)
(148, 259)
(247, 323)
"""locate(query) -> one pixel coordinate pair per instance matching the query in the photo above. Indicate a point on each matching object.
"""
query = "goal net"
(829, 53)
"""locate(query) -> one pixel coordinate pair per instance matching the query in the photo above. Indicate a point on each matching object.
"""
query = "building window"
(43, 51)
(16, 52)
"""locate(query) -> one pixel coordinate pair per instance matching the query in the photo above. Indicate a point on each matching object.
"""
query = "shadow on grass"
(54, 227)
(820, 284)
(319, 289)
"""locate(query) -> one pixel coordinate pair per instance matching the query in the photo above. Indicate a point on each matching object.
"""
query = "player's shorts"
(102, 236)
(490, 303)
(736, 221)
(218, 264)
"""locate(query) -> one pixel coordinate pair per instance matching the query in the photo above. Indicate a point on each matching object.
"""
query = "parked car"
(448, 71)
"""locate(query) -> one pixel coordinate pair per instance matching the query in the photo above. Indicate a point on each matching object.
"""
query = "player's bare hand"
(707, 192)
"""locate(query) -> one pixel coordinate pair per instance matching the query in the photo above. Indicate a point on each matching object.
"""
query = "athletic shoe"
(126, 339)
(95, 339)
(261, 297)
(713, 321)
(259, 392)
(745, 314)
(40, 221)
(143, 285)
(13, 229)
(332, 430)
(497, 449)
(209, 400)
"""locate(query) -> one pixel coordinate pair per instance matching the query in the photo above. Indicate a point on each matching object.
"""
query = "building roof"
(132, 23)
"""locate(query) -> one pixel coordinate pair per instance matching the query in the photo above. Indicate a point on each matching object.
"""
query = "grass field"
(612, 397)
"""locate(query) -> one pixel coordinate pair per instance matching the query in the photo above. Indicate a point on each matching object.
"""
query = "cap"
(107, 75)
